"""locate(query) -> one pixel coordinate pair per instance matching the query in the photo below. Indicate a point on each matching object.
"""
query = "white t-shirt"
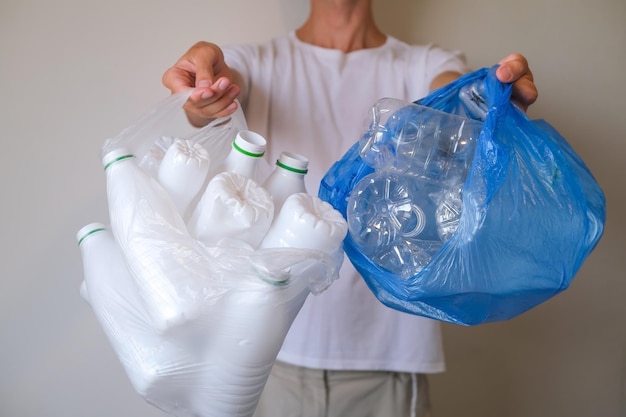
(315, 101)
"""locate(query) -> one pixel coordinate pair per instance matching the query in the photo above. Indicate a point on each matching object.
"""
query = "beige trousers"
(294, 391)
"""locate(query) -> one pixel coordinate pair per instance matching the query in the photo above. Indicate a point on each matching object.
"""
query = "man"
(309, 92)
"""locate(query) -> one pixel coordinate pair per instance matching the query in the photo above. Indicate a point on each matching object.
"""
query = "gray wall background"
(74, 72)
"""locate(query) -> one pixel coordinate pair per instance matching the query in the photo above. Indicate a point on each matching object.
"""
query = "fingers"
(216, 100)
(198, 67)
(202, 67)
(514, 69)
(207, 62)
(177, 79)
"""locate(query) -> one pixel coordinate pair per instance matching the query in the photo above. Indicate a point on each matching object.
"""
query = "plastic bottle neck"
(116, 156)
(293, 163)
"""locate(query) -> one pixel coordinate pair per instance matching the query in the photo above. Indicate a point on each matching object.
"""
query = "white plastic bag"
(212, 318)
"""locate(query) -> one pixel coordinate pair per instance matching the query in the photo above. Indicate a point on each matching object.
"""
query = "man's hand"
(203, 68)
(514, 69)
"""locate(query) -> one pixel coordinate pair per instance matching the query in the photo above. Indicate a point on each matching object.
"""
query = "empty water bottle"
(449, 211)
(401, 215)
(419, 141)
(391, 218)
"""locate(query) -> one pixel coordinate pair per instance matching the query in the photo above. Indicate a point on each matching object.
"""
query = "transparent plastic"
(392, 219)
(407, 138)
(419, 155)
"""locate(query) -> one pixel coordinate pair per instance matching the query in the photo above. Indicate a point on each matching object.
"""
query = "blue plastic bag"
(532, 213)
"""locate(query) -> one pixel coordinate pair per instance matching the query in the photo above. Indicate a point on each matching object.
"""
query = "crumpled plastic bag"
(196, 327)
(531, 214)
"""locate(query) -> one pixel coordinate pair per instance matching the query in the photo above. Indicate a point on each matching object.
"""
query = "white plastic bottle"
(149, 361)
(232, 207)
(253, 319)
(247, 150)
(287, 178)
(183, 172)
(306, 222)
(154, 239)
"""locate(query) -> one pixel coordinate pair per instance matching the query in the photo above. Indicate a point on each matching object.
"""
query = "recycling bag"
(532, 212)
(197, 323)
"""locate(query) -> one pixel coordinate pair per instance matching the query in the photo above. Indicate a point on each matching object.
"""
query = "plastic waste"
(135, 201)
(207, 320)
(247, 150)
(232, 207)
(306, 222)
(149, 360)
(526, 198)
(392, 219)
(287, 178)
(396, 215)
(183, 172)
(419, 141)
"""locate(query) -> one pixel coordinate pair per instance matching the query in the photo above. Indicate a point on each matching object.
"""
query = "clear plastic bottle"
(183, 172)
(416, 140)
(449, 209)
(287, 178)
(401, 215)
(391, 219)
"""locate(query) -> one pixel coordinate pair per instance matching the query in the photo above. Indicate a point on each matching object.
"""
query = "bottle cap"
(88, 230)
(116, 155)
(250, 143)
(293, 162)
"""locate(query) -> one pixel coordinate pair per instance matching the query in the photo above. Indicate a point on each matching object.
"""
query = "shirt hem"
(343, 365)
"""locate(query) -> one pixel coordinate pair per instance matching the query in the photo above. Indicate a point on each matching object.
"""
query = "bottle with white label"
(287, 178)
(183, 172)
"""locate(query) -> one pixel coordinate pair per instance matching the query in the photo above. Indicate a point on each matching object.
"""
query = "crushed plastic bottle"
(400, 215)
(391, 218)
(419, 141)
(448, 212)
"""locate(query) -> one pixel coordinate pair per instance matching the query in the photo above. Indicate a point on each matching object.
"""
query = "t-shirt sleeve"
(244, 60)
(433, 61)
